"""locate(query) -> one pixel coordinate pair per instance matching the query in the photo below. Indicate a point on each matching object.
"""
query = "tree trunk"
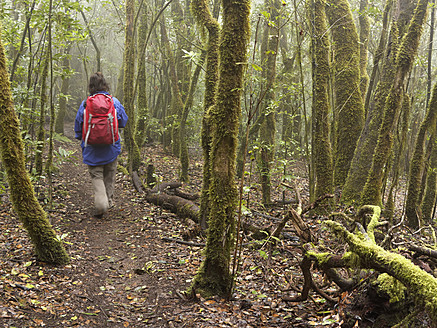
(177, 104)
(93, 41)
(214, 277)
(41, 128)
(362, 159)
(399, 154)
(268, 126)
(404, 60)
(49, 163)
(429, 199)
(431, 40)
(348, 101)
(183, 152)
(47, 246)
(134, 158)
(65, 89)
(203, 15)
(322, 156)
(417, 166)
(182, 70)
(364, 42)
(143, 112)
(23, 38)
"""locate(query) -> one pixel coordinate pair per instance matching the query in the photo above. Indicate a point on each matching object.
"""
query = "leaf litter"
(123, 274)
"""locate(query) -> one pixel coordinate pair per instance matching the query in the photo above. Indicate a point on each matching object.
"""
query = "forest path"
(122, 273)
(120, 262)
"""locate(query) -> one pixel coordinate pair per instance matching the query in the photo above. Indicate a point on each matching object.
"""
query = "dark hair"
(97, 83)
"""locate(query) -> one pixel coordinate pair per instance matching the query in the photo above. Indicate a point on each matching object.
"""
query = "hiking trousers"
(103, 180)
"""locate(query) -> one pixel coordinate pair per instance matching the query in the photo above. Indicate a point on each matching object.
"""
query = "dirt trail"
(122, 274)
(117, 257)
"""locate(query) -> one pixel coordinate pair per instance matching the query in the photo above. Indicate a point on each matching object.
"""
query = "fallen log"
(420, 284)
(423, 251)
(180, 206)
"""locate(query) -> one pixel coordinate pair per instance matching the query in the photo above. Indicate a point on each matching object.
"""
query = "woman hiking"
(96, 125)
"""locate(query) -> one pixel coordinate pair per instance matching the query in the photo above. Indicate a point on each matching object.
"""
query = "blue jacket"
(100, 155)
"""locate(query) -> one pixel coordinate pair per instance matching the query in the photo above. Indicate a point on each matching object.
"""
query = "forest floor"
(124, 274)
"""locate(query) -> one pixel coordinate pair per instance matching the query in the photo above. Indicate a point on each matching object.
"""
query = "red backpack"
(100, 124)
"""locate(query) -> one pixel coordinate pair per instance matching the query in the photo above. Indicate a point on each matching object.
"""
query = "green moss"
(203, 16)
(404, 60)
(348, 101)
(321, 258)
(214, 276)
(47, 246)
(421, 285)
(122, 169)
(418, 162)
(143, 112)
(322, 155)
(430, 190)
(362, 160)
(392, 287)
(364, 41)
(134, 157)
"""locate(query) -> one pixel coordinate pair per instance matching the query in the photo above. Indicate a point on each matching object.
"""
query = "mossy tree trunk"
(322, 155)
(421, 285)
(177, 103)
(398, 155)
(65, 89)
(430, 45)
(303, 105)
(134, 158)
(429, 199)
(364, 42)
(268, 127)
(287, 77)
(119, 89)
(348, 101)
(182, 69)
(362, 160)
(417, 166)
(180, 109)
(404, 61)
(41, 128)
(48, 247)
(203, 15)
(379, 53)
(214, 277)
(143, 112)
(49, 162)
(181, 23)
(183, 138)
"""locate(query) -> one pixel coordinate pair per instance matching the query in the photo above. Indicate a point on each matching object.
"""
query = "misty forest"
(278, 167)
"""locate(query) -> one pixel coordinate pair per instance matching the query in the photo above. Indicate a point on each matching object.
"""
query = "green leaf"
(256, 67)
